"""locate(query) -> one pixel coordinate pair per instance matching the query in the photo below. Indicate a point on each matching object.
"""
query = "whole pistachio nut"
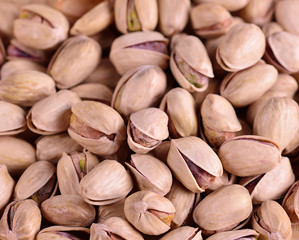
(243, 234)
(68, 210)
(285, 83)
(2, 53)
(249, 155)
(190, 64)
(8, 13)
(114, 228)
(224, 180)
(230, 5)
(193, 163)
(183, 233)
(139, 48)
(220, 122)
(250, 42)
(26, 87)
(270, 28)
(20, 220)
(223, 209)
(7, 185)
(150, 173)
(139, 88)
(146, 129)
(71, 168)
(278, 120)
(111, 210)
(291, 203)
(16, 154)
(63, 233)
(149, 212)
(107, 183)
(173, 15)
(210, 20)
(272, 222)
(76, 58)
(135, 15)
(97, 127)
(245, 87)
(95, 20)
(48, 27)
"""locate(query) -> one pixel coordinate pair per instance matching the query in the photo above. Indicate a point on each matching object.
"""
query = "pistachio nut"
(2, 53)
(161, 151)
(71, 168)
(114, 228)
(285, 83)
(290, 203)
(139, 88)
(282, 51)
(224, 180)
(111, 210)
(278, 120)
(50, 148)
(146, 129)
(76, 58)
(260, 186)
(183, 233)
(68, 210)
(245, 87)
(230, 5)
(193, 163)
(249, 155)
(219, 120)
(97, 127)
(8, 13)
(149, 212)
(173, 15)
(12, 119)
(94, 21)
(63, 233)
(293, 147)
(190, 64)
(139, 48)
(107, 183)
(243, 234)
(210, 20)
(250, 42)
(17, 154)
(26, 87)
(223, 209)
(270, 28)
(48, 26)
(7, 185)
(150, 173)
(20, 220)
(271, 221)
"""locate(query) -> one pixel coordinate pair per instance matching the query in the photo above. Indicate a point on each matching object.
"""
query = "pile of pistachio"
(149, 119)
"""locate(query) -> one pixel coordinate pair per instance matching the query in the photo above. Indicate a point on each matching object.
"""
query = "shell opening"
(157, 46)
(35, 18)
(251, 185)
(132, 17)
(46, 191)
(80, 161)
(216, 138)
(11, 214)
(74, 235)
(217, 26)
(141, 138)
(114, 236)
(163, 216)
(14, 51)
(289, 206)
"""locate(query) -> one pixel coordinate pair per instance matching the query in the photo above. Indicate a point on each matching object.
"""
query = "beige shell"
(111, 210)
(293, 146)
(76, 58)
(46, 34)
(54, 232)
(199, 153)
(101, 118)
(183, 233)
(247, 234)
(249, 155)
(26, 87)
(114, 227)
(230, 5)
(94, 21)
(137, 210)
(290, 203)
(67, 175)
(223, 209)
(124, 56)
(139, 88)
(244, 87)
(270, 28)
(276, 223)
(250, 42)
(8, 13)
(107, 183)
(224, 180)
(6, 186)
(285, 83)
(16, 154)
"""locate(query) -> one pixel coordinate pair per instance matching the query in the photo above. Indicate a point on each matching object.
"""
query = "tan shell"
(111, 210)
(53, 233)
(94, 21)
(139, 88)
(292, 147)
(290, 203)
(224, 180)
(199, 153)
(270, 28)
(8, 13)
(235, 235)
(183, 233)
(249, 155)
(43, 36)
(250, 42)
(161, 151)
(223, 209)
(275, 219)
(26, 87)
(7, 186)
(136, 211)
(124, 57)
(230, 5)
(285, 83)
(101, 187)
(244, 87)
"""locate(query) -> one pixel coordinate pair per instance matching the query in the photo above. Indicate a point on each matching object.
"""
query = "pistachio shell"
(290, 203)
(285, 83)
(112, 210)
(161, 151)
(183, 233)
(6, 186)
(230, 5)
(2, 53)
(246, 234)
(292, 147)
(9, 11)
(223, 180)
(63, 233)
(270, 28)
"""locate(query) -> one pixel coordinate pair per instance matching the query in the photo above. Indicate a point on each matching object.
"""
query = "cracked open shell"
(48, 26)
(107, 183)
(63, 233)
(190, 64)
(291, 203)
(183, 233)
(193, 163)
(230, 5)
(243, 234)
(6, 186)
